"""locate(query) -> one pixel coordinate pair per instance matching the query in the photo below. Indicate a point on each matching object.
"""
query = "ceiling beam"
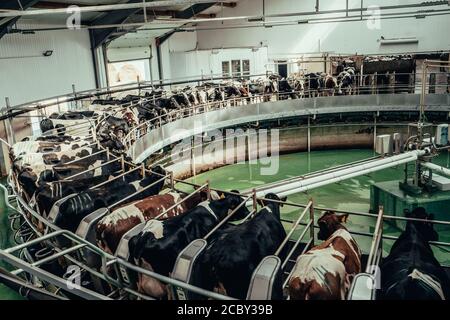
(226, 4)
(188, 13)
(193, 10)
(100, 36)
(7, 23)
(55, 5)
(172, 14)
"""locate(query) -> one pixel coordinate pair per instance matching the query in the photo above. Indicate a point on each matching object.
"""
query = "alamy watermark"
(374, 20)
(73, 277)
(221, 147)
(73, 22)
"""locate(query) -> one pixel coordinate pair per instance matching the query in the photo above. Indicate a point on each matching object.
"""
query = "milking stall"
(231, 150)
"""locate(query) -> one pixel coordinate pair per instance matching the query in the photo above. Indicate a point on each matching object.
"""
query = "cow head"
(46, 125)
(112, 142)
(274, 206)
(425, 229)
(28, 181)
(233, 200)
(60, 130)
(329, 223)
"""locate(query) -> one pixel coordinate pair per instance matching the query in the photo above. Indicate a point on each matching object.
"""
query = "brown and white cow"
(325, 272)
(112, 227)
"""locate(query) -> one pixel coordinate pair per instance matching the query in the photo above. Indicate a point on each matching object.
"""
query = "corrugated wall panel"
(26, 75)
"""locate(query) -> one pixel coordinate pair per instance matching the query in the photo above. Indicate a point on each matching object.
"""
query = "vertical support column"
(105, 66)
(122, 163)
(59, 106)
(309, 134)
(208, 190)
(143, 170)
(172, 182)
(311, 217)
(255, 204)
(374, 130)
(374, 83)
(139, 83)
(9, 131)
(416, 173)
(193, 169)
(75, 95)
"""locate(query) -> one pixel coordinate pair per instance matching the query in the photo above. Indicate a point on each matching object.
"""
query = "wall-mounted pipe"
(107, 7)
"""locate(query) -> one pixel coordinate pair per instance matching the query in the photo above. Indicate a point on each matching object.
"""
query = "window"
(246, 69)
(128, 72)
(226, 69)
(236, 68)
(239, 68)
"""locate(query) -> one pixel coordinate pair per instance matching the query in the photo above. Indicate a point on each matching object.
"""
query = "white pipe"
(339, 175)
(436, 168)
(108, 7)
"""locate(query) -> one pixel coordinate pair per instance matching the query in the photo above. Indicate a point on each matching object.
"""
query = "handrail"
(114, 179)
(85, 157)
(286, 239)
(180, 202)
(90, 169)
(376, 242)
(136, 193)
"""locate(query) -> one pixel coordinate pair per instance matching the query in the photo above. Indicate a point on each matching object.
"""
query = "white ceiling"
(144, 37)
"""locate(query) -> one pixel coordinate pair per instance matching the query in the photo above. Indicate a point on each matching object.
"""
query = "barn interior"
(121, 119)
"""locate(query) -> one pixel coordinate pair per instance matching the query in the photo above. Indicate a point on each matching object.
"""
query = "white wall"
(192, 54)
(26, 75)
(338, 38)
(209, 62)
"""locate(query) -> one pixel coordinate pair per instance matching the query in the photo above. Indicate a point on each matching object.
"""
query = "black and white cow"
(312, 85)
(411, 272)
(112, 227)
(328, 84)
(24, 147)
(80, 125)
(74, 209)
(56, 158)
(156, 248)
(31, 177)
(285, 90)
(346, 81)
(233, 253)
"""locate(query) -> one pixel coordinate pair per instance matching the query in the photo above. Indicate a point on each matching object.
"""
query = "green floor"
(6, 240)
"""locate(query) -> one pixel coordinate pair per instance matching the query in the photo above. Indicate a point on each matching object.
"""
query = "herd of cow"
(81, 176)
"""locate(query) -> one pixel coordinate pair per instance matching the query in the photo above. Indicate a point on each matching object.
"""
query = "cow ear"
(284, 199)
(343, 218)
